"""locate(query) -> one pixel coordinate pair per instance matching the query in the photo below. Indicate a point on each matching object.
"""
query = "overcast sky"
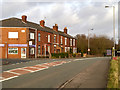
(77, 16)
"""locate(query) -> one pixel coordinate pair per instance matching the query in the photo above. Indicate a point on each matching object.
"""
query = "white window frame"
(39, 49)
(54, 38)
(65, 49)
(61, 40)
(12, 34)
(32, 35)
(33, 50)
(48, 38)
(54, 48)
(65, 41)
(70, 42)
(12, 49)
(49, 49)
(73, 42)
(39, 37)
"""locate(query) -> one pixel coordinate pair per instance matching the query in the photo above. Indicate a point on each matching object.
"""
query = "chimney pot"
(42, 23)
(65, 30)
(55, 27)
(24, 18)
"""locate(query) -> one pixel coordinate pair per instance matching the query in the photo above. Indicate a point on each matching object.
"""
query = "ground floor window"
(42, 50)
(54, 48)
(65, 49)
(12, 50)
(39, 49)
(49, 49)
(32, 50)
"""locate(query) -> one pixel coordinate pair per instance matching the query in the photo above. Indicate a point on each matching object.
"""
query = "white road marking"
(31, 71)
(27, 70)
(13, 72)
(8, 78)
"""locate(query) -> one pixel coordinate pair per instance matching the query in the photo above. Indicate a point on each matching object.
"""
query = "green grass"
(113, 74)
(119, 70)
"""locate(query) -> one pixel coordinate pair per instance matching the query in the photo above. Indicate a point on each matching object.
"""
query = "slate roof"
(16, 22)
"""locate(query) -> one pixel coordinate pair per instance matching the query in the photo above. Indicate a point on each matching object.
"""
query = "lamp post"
(113, 25)
(89, 41)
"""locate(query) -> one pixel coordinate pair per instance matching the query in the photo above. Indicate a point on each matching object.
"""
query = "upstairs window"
(54, 38)
(48, 38)
(31, 35)
(70, 42)
(12, 34)
(73, 42)
(61, 40)
(65, 41)
(39, 37)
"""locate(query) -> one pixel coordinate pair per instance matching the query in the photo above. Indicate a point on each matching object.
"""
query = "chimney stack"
(55, 27)
(42, 23)
(65, 30)
(24, 18)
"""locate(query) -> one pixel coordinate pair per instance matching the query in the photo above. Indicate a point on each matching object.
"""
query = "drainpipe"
(6, 50)
(36, 43)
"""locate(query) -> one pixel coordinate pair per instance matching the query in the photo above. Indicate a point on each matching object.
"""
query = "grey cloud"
(77, 16)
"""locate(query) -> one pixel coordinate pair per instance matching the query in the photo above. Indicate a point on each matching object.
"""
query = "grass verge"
(119, 73)
(113, 74)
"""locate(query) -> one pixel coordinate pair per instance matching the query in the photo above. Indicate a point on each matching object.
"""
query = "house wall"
(22, 39)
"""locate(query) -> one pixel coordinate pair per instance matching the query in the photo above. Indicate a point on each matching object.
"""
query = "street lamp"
(89, 42)
(113, 25)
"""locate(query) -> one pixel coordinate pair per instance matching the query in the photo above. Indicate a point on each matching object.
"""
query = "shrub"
(74, 55)
(57, 55)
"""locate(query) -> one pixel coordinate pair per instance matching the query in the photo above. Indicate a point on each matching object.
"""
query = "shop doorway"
(23, 52)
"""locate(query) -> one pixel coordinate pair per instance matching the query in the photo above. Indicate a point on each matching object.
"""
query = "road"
(52, 77)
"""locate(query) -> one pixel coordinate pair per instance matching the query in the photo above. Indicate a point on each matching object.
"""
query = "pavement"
(45, 74)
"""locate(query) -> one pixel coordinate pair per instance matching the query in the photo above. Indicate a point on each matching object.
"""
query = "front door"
(23, 52)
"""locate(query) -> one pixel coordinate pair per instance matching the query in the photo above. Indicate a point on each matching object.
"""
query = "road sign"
(109, 52)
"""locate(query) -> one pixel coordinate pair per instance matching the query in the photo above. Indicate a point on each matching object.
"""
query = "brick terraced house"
(20, 38)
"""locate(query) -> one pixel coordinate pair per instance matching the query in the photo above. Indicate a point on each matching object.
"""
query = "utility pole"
(113, 26)
(89, 41)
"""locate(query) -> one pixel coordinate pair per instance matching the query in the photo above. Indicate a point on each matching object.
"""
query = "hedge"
(57, 55)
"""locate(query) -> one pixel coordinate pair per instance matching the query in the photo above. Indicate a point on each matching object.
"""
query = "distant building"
(20, 38)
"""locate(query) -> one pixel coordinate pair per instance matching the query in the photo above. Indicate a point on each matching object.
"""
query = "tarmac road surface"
(53, 75)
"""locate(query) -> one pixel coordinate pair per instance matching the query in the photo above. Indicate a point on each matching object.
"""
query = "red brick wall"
(20, 40)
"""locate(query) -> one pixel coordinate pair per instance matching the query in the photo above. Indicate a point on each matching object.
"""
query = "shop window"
(12, 50)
